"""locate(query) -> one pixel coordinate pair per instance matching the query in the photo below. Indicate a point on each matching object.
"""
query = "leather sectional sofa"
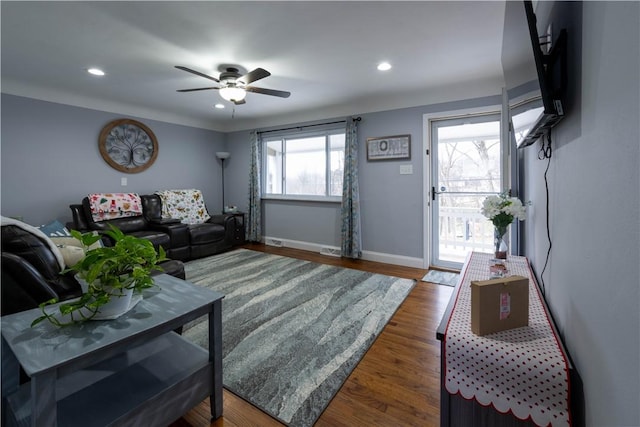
(181, 241)
(31, 272)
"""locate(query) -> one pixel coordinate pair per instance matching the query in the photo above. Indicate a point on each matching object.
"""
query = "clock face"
(128, 145)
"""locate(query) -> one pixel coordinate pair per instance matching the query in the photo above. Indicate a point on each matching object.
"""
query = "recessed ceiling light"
(219, 106)
(384, 66)
(95, 71)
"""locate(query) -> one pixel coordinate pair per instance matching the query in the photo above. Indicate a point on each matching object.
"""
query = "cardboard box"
(499, 304)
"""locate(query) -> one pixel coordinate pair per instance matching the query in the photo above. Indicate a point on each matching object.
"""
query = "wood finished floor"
(397, 383)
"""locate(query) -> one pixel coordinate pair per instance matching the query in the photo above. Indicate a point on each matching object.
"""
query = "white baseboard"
(331, 251)
(393, 259)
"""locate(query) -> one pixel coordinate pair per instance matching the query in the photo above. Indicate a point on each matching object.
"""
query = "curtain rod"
(355, 119)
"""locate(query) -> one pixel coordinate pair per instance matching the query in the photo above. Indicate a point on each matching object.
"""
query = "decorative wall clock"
(128, 145)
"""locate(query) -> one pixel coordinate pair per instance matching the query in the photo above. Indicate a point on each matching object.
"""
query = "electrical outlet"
(406, 169)
(123, 181)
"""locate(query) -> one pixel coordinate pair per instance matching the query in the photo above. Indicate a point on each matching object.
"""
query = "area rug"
(292, 330)
(441, 278)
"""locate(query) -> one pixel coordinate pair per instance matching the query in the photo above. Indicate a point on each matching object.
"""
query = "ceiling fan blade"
(193, 90)
(252, 76)
(197, 73)
(272, 92)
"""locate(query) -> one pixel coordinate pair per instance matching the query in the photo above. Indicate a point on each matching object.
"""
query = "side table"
(133, 370)
(239, 228)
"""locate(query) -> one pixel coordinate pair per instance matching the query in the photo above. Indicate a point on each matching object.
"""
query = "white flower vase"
(501, 246)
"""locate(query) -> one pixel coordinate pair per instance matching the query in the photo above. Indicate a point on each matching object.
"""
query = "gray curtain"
(350, 213)
(254, 216)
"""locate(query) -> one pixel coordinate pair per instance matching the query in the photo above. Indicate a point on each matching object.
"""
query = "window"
(304, 164)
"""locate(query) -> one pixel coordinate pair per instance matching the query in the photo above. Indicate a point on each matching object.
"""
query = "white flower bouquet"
(502, 210)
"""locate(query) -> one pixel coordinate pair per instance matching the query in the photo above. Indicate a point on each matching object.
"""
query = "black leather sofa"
(180, 241)
(209, 238)
(31, 273)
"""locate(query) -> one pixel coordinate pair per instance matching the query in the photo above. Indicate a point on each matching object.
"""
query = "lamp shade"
(223, 155)
(232, 93)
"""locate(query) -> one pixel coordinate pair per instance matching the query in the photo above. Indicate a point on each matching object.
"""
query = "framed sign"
(389, 148)
(128, 145)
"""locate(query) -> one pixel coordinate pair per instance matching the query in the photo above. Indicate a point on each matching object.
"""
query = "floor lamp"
(222, 155)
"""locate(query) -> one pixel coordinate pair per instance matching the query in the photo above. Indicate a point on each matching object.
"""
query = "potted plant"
(109, 275)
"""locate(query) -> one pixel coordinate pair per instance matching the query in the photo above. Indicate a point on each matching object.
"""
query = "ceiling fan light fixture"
(232, 93)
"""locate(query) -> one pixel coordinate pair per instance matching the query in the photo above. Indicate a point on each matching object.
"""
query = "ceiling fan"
(234, 85)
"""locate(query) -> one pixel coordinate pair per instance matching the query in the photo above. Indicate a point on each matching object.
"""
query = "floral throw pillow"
(186, 205)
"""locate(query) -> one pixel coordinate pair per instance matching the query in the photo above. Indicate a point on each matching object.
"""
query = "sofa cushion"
(71, 254)
(72, 241)
(152, 207)
(158, 238)
(200, 234)
(126, 225)
(55, 229)
(186, 205)
(72, 249)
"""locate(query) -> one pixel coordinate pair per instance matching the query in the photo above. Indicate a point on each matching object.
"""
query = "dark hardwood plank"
(397, 383)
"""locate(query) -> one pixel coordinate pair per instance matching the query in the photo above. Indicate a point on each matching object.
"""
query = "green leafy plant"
(108, 271)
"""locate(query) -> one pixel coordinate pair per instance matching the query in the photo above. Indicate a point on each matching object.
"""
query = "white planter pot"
(122, 300)
(119, 304)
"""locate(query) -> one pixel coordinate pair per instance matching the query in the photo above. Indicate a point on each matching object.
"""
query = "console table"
(131, 371)
(517, 377)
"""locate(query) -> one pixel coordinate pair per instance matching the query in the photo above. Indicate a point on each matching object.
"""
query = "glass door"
(466, 167)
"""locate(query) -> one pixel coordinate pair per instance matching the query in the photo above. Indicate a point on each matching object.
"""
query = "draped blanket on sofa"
(186, 205)
(105, 206)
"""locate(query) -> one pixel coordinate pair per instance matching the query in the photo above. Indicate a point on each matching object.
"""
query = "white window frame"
(321, 131)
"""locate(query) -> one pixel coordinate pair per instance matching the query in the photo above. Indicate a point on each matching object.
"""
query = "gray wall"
(391, 204)
(50, 159)
(593, 278)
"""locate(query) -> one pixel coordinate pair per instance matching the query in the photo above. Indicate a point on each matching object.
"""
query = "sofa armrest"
(222, 219)
(23, 287)
(177, 231)
(229, 223)
(80, 222)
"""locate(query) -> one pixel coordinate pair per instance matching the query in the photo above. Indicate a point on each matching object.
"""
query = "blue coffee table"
(133, 370)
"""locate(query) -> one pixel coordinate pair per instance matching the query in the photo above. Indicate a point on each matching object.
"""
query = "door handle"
(434, 192)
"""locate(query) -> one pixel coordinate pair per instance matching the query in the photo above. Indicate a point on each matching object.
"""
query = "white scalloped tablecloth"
(522, 370)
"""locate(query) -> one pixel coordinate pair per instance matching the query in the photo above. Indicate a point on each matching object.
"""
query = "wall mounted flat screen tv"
(535, 76)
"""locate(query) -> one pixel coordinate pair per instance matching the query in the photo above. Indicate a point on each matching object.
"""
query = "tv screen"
(532, 76)
(523, 120)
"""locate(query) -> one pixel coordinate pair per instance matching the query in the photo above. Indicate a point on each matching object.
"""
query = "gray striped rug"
(292, 330)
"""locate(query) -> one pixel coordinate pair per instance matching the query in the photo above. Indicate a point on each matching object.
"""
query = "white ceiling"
(324, 53)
